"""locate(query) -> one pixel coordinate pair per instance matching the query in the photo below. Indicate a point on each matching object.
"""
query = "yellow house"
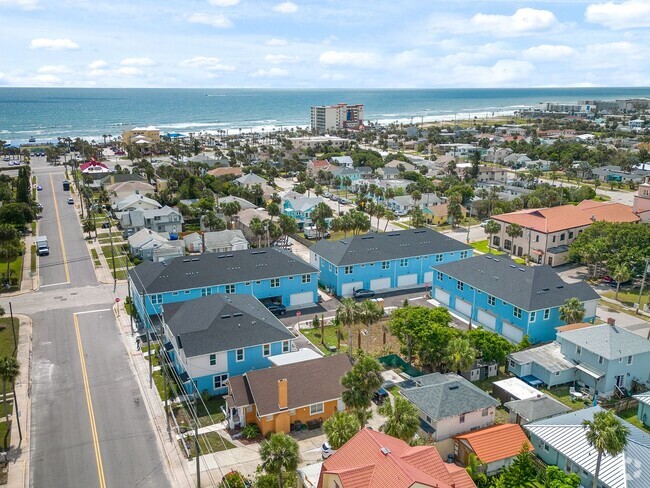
(438, 214)
(286, 398)
(141, 135)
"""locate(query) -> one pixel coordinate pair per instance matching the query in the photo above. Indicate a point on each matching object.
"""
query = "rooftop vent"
(419, 231)
(453, 387)
(186, 260)
(513, 266)
(496, 260)
(393, 235)
(227, 316)
(367, 237)
(385, 451)
(195, 259)
(488, 257)
(237, 314)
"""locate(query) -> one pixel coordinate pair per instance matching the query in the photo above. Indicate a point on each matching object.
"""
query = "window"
(206, 291)
(546, 447)
(385, 264)
(516, 311)
(629, 360)
(316, 408)
(570, 234)
(239, 355)
(403, 263)
(219, 381)
(286, 347)
(462, 418)
(428, 419)
(266, 350)
(275, 282)
(230, 288)
(460, 285)
(491, 301)
(547, 313)
(438, 258)
(306, 278)
(553, 238)
(258, 282)
(174, 293)
(578, 350)
(557, 373)
(601, 360)
(484, 412)
(532, 316)
(330, 267)
(187, 292)
(156, 299)
(507, 244)
(496, 241)
(213, 359)
(562, 236)
(537, 238)
(292, 413)
(463, 254)
(348, 270)
(439, 276)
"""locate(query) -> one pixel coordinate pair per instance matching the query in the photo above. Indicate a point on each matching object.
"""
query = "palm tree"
(460, 355)
(388, 215)
(572, 311)
(607, 434)
(340, 428)
(491, 228)
(9, 371)
(514, 231)
(402, 416)
(620, 275)
(279, 454)
(360, 383)
(347, 315)
(369, 313)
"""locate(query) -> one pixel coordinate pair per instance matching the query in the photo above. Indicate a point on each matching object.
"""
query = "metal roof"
(549, 356)
(608, 341)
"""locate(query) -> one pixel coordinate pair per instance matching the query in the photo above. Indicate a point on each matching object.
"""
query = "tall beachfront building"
(327, 118)
(141, 135)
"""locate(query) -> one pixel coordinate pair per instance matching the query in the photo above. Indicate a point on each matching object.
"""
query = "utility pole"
(164, 373)
(128, 285)
(150, 358)
(13, 329)
(110, 231)
(645, 272)
(196, 446)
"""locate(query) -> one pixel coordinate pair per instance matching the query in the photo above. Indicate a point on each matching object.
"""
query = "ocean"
(48, 113)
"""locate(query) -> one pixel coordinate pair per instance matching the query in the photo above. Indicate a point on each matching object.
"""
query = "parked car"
(363, 293)
(485, 222)
(70, 201)
(326, 450)
(334, 198)
(276, 308)
(39, 187)
(106, 225)
(327, 194)
(379, 396)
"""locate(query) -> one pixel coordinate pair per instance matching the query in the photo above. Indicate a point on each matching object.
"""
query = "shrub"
(251, 431)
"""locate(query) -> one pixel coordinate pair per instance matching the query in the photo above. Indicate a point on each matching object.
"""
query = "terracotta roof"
(608, 211)
(225, 171)
(320, 163)
(373, 459)
(496, 443)
(579, 325)
(547, 220)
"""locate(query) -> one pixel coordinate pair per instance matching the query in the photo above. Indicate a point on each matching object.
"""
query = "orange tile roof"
(608, 211)
(579, 325)
(547, 220)
(360, 463)
(496, 443)
(225, 171)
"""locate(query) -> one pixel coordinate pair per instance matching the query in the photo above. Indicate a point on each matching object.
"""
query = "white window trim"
(210, 359)
(320, 407)
(286, 346)
(267, 353)
(243, 355)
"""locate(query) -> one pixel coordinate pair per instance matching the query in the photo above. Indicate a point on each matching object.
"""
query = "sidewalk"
(19, 452)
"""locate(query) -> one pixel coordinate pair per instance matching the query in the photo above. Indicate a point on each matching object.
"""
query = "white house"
(220, 241)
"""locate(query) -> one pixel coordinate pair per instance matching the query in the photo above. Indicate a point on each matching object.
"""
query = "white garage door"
(348, 288)
(486, 319)
(380, 284)
(514, 333)
(428, 277)
(407, 280)
(297, 299)
(442, 296)
(463, 307)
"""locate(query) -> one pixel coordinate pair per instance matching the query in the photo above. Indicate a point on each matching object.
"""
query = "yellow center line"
(58, 223)
(89, 402)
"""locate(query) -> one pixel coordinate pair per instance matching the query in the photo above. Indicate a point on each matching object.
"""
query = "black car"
(379, 396)
(363, 293)
(276, 308)
(106, 225)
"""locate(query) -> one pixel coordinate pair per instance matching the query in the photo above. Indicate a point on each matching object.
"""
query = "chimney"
(611, 320)
(283, 394)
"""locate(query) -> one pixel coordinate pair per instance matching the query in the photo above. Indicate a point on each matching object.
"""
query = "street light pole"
(645, 272)
(110, 231)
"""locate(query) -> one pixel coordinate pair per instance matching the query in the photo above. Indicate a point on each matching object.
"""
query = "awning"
(538, 252)
(593, 372)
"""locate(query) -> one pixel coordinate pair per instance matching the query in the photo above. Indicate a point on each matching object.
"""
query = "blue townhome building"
(511, 299)
(213, 338)
(271, 274)
(384, 261)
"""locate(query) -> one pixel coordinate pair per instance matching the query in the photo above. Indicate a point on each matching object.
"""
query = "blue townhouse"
(384, 261)
(270, 274)
(508, 298)
(300, 209)
(215, 337)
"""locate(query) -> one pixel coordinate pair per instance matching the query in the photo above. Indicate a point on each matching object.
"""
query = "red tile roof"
(579, 325)
(361, 463)
(496, 443)
(547, 220)
(608, 211)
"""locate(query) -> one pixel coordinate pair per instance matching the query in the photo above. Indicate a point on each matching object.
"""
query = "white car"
(485, 222)
(326, 450)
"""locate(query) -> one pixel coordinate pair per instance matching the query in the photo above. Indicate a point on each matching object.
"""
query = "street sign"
(117, 300)
(298, 313)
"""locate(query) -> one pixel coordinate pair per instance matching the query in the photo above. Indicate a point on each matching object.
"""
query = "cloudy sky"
(324, 43)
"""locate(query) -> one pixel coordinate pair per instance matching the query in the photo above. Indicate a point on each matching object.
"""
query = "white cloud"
(286, 8)
(98, 64)
(24, 4)
(333, 77)
(52, 68)
(138, 62)
(624, 15)
(281, 59)
(549, 52)
(46, 80)
(621, 55)
(523, 21)
(219, 21)
(270, 73)
(504, 71)
(276, 42)
(207, 63)
(223, 3)
(53, 44)
(128, 71)
(348, 58)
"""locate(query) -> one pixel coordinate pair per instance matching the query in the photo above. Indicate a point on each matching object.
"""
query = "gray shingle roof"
(223, 322)
(217, 268)
(385, 246)
(442, 396)
(526, 287)
(608, 341)
(532, 409)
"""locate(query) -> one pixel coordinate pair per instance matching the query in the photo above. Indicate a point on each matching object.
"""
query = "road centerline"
(58, 223)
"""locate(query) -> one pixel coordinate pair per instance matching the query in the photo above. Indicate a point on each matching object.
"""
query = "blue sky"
(325, 43)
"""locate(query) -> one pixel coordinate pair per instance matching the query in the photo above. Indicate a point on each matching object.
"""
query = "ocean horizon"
(48, 113)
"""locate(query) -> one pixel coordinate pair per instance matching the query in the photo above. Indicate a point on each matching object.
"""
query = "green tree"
(489, 345)
(212, 222)
(607, 434)
(230, 209)
(279, 454)
(340, 428)
(460, 355)
(554, 477)
(514, 231)
(454, 209)
(17, 214)
(572, 311)
(273, 209)
(369, 313)
(10, 246)
(9, 371)
(621, 274)
(491, 228)
(522, 471)
(360, 383)
(320, 215)
(402, 418)
(287, 225)
(417, 327)
(347, 315)
(475, 470)
(90, 226)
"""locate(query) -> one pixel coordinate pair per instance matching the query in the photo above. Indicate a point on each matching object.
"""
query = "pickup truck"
(42, 248)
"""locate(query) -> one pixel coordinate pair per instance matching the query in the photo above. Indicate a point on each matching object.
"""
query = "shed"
(513, 389)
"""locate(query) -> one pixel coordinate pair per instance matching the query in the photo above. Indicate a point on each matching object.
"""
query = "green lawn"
(482, 246)
(120, 274)
(6, 335)
(4, 428)
(209, 442)
(627, 297)
(561, 393)
(630, 416)
(209, 414)
(15, 268)
(314, 336)
(159, 382)
(486, 384)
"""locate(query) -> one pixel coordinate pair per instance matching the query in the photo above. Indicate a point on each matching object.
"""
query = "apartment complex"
(327, 118)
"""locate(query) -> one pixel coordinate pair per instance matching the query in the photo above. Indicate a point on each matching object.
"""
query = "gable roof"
(143, 236)
(243, 203)
(496, 443)
(566, 434)
(251, 179)
(130, 186)
(547, 220)
(373, 459)
(427, 199)
(442, 396)
(608, 211)
(133, 198)
(221, 323)
(212, 269)
(342, 160)
(608, 341)
(302, 204)
(302, 388)
(225, 171)
(526, 287)
(384, 246)
(536, 408)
